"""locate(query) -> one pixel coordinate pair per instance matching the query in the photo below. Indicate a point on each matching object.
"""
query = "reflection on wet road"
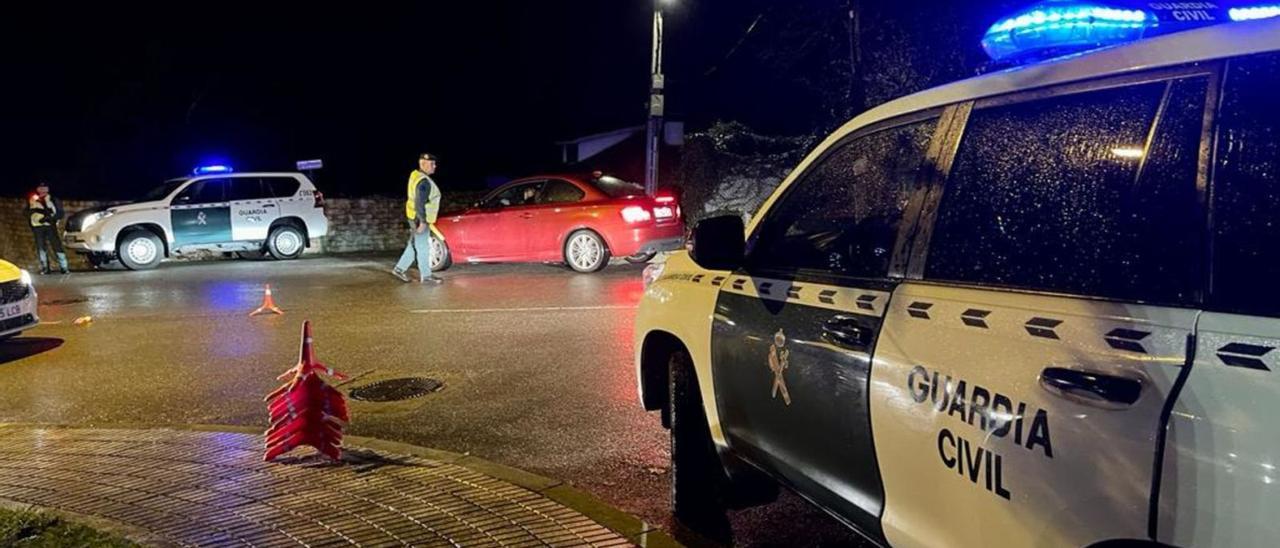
(535, 360)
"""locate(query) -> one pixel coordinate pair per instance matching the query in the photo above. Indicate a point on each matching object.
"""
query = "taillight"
(636, 214)
(319, 199)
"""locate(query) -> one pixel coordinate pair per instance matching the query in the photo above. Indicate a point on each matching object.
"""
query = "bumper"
(649, 240)
(87, 242)
(19, 315)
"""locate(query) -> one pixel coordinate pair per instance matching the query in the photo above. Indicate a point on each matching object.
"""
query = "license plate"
(663, 212)
(9, 310)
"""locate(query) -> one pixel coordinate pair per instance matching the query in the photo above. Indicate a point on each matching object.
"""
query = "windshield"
(618, 188)
(162, 191)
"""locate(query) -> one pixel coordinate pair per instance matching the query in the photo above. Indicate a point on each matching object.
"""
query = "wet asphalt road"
(536, 363)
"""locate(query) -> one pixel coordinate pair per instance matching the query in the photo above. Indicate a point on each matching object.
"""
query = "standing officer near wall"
(44, 211)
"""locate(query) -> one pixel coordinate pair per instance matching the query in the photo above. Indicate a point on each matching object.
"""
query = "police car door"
(795, 330)
(1221, 484)
(1020, 382)
(253, 208)
(201, 214)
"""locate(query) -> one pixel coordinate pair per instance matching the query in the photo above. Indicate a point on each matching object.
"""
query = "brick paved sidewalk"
(200, 488)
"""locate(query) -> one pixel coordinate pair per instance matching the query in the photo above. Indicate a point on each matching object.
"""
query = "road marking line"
(538, 309)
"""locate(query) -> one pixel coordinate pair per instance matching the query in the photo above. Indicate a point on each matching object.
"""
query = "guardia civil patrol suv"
(1038, 307)
(272, 214)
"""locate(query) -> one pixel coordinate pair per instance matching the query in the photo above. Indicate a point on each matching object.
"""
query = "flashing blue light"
(217, 168)
(1059, 27)
(1265, 11)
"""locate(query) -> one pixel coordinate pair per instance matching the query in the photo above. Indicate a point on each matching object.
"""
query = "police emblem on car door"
(200, 214)
(794, 331)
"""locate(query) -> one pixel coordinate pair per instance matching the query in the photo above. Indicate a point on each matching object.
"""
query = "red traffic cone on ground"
(306, 410)
(268, 305)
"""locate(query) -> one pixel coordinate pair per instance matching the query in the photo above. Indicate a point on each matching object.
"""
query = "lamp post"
(653, 135)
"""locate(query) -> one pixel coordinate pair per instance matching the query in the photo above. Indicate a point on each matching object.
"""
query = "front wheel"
(697, 476)
(585, 252)
(140, 250)
(286, 242)
(441, 259)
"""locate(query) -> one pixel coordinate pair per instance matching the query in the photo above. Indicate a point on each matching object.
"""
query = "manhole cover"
(396, 389)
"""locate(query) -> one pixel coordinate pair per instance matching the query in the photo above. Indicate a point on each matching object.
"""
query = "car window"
(617, 188)
(281, 187)
(1246, 189)
(561, 192)
(163, 191)
(246, 188)
(517, 195)
(842, 215)
(1090, 193)
(207, 191)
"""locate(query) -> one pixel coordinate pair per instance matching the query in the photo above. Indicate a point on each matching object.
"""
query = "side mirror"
(718, 243)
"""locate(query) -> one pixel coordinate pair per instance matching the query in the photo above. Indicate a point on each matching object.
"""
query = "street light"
(657, 109)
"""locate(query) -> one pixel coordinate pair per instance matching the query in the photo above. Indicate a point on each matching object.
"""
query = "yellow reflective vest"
(431, 203)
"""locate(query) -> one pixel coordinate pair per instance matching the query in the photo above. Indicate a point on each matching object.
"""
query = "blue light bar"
(217, 168)
(1059, 27)
(1265, 11)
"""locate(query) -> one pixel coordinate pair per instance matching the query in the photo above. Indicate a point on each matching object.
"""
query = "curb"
(626, 525)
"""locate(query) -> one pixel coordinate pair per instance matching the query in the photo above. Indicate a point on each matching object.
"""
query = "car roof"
(1180, 48)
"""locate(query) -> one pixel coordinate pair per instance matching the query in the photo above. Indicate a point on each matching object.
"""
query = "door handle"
(1089, 387)
(526, 215)
(268, 205)
(847, 332)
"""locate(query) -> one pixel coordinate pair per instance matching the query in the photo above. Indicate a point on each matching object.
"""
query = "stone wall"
(355, 224)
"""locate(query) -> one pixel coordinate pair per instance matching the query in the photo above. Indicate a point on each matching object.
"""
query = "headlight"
(25, 277)
(94, 218)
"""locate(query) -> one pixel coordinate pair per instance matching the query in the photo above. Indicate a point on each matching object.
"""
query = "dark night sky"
(106, 101)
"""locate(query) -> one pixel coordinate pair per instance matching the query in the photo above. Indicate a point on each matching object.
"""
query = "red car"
(562, 218)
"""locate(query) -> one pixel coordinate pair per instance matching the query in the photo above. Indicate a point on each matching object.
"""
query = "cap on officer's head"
(43, 185)
(428, 157)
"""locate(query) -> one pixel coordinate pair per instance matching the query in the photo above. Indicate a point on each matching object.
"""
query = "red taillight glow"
(665, 199)
(636, 214)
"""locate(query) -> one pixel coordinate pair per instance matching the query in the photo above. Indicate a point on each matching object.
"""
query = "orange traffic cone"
(268, 305)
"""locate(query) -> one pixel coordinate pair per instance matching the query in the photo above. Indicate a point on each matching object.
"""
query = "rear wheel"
(140, 250)
(441, 259)
(585, 252)
(696, 473)
(286, 242)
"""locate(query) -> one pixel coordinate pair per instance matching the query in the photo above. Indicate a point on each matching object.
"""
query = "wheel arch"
(652, 374)
(564, 238)
(153, 228)
(295, 222)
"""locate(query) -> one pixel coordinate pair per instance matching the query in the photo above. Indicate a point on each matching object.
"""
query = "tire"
(697, 476)
(641, 258)
(585, 252)
(441, 258)
(140, 250)
(286, 242)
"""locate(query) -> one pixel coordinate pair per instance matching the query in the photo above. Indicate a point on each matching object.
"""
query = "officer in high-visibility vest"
(43, 212)
(421, 209)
